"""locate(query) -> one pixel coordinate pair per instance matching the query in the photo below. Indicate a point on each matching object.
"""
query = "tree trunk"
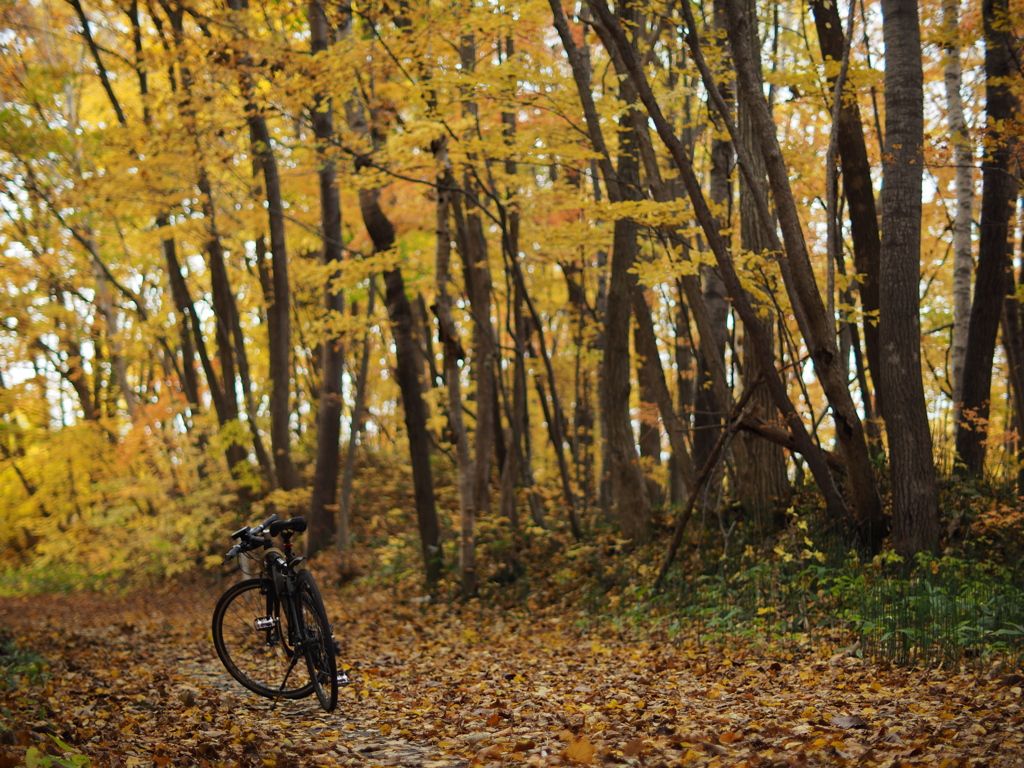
(324, 493)
(857, 185)
(1013, 342)
(279, 300)
(629, 491)
(914, 493)
(358, 413)
(453, 354)
(834, 501)
(382, 232)
(963, 159)
(472, 245)
(998, 191)
(761, 465)
(818, 331)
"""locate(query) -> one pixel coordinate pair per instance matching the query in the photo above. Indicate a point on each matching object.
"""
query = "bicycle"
(264, 627)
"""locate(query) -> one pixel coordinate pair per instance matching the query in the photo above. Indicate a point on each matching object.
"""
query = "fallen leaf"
(580, 751)
(633, 748)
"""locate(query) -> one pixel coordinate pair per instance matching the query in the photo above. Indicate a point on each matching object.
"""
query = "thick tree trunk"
(761, 465)
(914, 492)
(629, 491)
(649, 440)
(324, 493)
(278, 308)
(998, 192)
(472, 245)
(279, 300)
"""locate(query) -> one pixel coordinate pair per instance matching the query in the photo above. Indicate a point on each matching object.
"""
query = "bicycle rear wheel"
(254, 641)
(319, 644)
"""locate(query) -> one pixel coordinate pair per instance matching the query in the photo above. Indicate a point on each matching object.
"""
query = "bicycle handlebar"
(250, 538)
(259, 528)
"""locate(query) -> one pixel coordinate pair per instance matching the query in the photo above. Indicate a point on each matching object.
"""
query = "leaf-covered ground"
(135, 682)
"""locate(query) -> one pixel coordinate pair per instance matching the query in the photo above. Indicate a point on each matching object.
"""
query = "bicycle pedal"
(344, 679)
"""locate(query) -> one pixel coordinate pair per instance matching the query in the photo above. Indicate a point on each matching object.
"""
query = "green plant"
(34, 758)
(18, 665)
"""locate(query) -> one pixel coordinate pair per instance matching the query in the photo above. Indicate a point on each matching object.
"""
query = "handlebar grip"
(233, 552)
(259, 528)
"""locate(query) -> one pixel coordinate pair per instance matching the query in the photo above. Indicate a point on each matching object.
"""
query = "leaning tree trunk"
(915, 526)
(817, 329)
(802, 440)
(998, 192)
(857, 185)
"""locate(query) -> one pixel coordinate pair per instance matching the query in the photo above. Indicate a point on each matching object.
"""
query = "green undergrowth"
(798, 588)
(19, 667)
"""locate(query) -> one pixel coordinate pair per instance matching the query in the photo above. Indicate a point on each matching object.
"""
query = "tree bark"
(472, 245)
(798, 275)
(1013, 342)
(997, 194)
(858, 187)
(279, 300)
(324, 493)
(834, 501)
(453, 355)
(963, 159)
(358, 413)
(761, 466)
(629, 491)
(914, 493)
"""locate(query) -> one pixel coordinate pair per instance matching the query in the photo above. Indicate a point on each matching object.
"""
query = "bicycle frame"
(278, 565)
(285, 609)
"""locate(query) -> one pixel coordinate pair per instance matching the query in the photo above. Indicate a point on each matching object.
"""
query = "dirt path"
(135, 682)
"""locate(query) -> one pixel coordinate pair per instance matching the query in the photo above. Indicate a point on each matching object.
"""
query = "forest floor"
(135, 681)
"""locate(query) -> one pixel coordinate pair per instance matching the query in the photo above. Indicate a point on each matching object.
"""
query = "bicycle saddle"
(296, 525)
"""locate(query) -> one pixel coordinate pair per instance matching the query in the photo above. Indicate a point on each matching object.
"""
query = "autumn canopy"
(461, 273)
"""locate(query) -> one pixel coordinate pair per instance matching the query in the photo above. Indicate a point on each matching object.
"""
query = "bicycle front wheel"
(255, 642)
(319, 642)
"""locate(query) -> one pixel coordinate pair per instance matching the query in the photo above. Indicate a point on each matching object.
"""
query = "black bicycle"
(272, 631)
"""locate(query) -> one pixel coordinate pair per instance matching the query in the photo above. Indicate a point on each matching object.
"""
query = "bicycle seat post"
(286, 545)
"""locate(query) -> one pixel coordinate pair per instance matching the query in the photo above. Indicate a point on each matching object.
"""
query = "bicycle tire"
(319, 645)
(261, 659)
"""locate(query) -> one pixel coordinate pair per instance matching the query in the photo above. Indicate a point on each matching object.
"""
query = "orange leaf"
(580, 751)
(729, 737)
(633, 748)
